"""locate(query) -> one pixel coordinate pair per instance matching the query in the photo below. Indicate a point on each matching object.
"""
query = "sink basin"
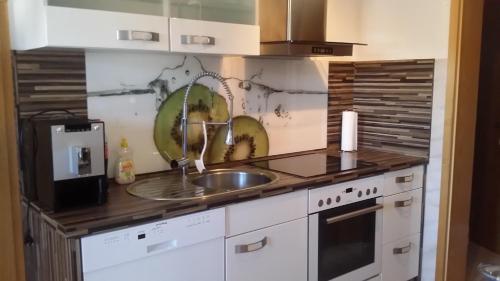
(195, 186)
(234, 179)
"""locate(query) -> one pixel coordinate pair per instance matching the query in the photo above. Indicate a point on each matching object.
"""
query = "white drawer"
(256, 214)
(402, 215)
(401, 259)
(270, 254)
(403, 180)
(207, 37)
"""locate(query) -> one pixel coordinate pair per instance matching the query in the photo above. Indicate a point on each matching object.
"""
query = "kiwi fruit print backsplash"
(280, 106)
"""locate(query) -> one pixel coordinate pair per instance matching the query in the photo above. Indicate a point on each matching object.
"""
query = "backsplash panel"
(50, 80)
(393, 99)
(287, 97)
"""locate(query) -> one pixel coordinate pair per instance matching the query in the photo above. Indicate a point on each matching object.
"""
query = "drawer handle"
(404, 203)
(240, 249)
(402, 250)
(134, 35)
(197, 40)
(354, 214)
(405, 179)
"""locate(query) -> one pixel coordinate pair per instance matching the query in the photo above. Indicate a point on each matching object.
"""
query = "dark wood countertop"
(123, 209)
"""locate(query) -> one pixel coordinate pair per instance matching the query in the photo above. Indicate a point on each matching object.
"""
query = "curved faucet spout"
(184, 122)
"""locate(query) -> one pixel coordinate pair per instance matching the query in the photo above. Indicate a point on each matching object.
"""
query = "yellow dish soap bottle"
(125, 168)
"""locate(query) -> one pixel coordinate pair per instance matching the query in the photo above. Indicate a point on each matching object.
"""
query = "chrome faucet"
(184, 162)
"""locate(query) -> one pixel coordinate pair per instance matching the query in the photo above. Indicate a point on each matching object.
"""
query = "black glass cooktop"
(311, 165)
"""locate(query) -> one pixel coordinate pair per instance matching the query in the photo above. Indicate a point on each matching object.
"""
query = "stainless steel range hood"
(297, 28)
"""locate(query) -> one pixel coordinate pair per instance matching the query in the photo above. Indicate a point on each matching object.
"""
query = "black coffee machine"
(64, 163)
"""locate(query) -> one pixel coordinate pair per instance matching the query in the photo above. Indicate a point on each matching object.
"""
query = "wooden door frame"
(459, 136)
(12, 256)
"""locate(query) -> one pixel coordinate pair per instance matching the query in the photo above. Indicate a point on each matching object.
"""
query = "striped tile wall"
(393, 99)
(50, 79)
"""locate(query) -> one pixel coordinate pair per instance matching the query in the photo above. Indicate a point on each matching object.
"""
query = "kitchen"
(295, 106)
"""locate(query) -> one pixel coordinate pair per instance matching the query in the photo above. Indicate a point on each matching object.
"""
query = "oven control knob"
(375, 190)
(328, 201)
(320, 203)
(368, 191)
(360, 193)
(337, 199)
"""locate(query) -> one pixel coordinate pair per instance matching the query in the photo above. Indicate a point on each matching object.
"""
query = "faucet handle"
(183, 162)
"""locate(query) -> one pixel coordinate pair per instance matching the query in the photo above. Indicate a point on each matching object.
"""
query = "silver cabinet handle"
(197, 40)
(405, 179)
(402, 250)
(240, 249)
(354, 214)
(403, 203)
(134, 35)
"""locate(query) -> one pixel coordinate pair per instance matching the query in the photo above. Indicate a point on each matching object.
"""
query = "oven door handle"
(354, 214)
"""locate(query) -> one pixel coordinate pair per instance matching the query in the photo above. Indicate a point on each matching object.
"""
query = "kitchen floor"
(477, 255)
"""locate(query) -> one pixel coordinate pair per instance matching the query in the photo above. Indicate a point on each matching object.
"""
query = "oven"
(345, 231)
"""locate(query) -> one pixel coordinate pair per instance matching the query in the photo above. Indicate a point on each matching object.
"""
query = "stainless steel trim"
(197, 40)
(405, 179)
(403, 203)
(241, 249)
(313, 246)
(402, 250)
(134, 35)
(354, 214)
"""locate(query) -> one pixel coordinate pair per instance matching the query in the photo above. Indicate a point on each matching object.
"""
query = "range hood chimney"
(297, 28)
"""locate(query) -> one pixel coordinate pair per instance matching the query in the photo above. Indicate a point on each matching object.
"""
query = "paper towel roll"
(347, 161)
(349, 140)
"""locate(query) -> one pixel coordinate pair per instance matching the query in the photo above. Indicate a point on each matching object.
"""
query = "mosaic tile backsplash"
(393, 99)
(286, 98)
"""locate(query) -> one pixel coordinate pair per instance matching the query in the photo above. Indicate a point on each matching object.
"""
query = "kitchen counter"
(123, 209)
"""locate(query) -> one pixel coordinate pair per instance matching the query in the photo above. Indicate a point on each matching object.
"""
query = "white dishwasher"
(180, 249)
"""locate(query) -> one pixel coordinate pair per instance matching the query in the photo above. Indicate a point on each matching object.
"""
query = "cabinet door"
(401, 259)
(402, 215)
(195, 36)
(88, 28)
(274, 253)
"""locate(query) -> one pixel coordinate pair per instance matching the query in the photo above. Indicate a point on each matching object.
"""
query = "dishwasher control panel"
(99, 250)
(341, 194)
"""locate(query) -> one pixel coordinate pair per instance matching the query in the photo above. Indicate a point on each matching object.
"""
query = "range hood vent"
(297, 28)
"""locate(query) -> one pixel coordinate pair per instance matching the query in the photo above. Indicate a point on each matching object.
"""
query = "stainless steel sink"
(195, 186)
(234, 179)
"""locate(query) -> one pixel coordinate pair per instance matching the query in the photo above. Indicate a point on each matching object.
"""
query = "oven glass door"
(347, 239)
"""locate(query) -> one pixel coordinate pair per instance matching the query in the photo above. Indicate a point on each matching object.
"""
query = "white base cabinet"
(274, 253)
(400, 260)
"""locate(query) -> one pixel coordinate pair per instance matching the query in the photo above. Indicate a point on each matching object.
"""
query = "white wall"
(409, 29)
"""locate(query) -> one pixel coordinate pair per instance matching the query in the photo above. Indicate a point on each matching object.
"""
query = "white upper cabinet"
(199, 26)
(114, 24)
(214, 27)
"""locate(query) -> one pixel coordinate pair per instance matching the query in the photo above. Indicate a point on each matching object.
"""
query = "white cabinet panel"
(402, 215)
(36, 24)
(274, 253)
(401, 259)
(70, 27)
(403, 180)
(194, 36)
(252, 215)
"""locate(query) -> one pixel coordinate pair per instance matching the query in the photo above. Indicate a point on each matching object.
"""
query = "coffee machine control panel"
(78, 150)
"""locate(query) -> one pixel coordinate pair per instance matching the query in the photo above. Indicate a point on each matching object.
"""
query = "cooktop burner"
(311, 165)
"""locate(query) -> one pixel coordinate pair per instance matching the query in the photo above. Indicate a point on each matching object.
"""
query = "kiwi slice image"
(250, 141)
(203, 105)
